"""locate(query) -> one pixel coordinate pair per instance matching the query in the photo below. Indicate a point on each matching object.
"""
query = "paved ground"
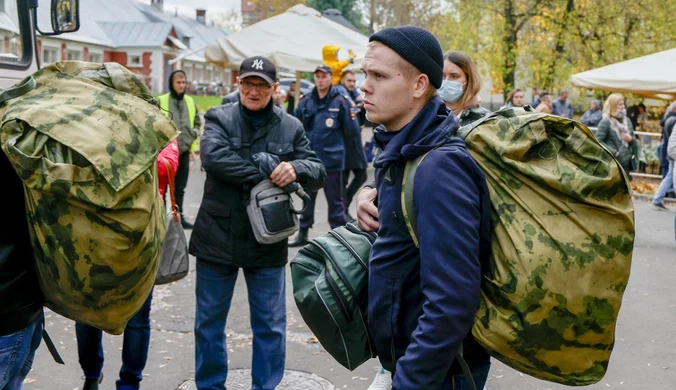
(644, 356)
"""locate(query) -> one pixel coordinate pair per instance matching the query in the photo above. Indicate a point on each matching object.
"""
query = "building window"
(134, 61)
(49, 55)
(95, 57)
(209, 76)
(74, 55)
(198, 74)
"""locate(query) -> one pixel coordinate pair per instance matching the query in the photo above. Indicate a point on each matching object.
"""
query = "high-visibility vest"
(192, 111)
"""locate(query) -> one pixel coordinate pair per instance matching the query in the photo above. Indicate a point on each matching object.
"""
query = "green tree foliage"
(536, 43)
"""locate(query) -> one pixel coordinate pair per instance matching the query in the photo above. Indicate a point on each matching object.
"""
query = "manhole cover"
(293, 380)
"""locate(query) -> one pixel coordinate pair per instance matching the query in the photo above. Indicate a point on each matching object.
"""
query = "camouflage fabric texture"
(563, 235)
(85, 142)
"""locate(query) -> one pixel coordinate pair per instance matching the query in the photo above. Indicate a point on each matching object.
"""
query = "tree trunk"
(509, 47)
(560, 46)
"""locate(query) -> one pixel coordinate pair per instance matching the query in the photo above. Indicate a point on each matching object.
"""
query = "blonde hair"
(465, 63)
(610, 105)
(407, 69)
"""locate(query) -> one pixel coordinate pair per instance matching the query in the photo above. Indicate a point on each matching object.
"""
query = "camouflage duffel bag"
(563, 235)
(85, 142)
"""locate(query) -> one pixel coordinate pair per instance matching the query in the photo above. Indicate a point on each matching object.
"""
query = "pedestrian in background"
(514, 98)
(223, 240)
(592, 117)
(671, 152)
(616, 133)
(562, 106)
(355, 157)
(545, 105)
(183, 111)
(667, 184)
(329, 120)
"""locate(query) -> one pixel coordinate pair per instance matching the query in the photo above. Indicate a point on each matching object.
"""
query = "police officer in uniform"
(329, 120)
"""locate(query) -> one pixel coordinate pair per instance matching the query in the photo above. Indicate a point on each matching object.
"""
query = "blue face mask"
(450, 91)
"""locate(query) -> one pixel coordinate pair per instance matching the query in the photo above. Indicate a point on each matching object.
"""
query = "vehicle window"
(11, 41)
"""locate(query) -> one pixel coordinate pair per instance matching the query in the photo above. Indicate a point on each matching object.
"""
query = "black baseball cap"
(324, 68)
(258, 66)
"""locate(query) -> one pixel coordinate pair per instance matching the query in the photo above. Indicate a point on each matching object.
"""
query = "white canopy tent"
(648, 76)
(291, 40)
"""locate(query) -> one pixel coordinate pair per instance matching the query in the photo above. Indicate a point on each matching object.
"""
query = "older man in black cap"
(329, 120)
(424, 284)
(223, 240)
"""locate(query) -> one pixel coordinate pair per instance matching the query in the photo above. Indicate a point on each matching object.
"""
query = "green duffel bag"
(84, 139)
(330, 287)
(563, 236)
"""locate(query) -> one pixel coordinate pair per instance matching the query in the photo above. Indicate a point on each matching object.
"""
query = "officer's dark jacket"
(355, 156)
(222, 231)
(328, 123)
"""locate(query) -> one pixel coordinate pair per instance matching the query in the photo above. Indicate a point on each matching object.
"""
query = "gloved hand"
(267, 163)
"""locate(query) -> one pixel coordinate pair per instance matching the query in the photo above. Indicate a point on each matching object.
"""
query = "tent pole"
(296, 97)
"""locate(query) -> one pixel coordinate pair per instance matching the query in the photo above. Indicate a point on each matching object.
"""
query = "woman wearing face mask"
(461, 86)
(616, 133)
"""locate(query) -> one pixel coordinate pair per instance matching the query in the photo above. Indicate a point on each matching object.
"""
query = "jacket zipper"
(338, 295)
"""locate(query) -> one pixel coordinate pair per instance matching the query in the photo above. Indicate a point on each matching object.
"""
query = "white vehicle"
(18, 27)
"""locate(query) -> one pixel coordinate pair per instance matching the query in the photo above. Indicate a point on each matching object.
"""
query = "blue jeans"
(134, 349)
(459, 382)
(667, 185)
(267, 303)
(17, 351)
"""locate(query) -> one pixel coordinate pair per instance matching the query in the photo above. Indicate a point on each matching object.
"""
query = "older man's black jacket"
(222, 231)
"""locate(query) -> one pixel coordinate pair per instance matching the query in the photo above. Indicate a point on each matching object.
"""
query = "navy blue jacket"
(328, 123)
(355, 156)
(422, 301)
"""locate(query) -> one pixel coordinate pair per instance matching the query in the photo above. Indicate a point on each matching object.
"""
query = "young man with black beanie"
(422, 298)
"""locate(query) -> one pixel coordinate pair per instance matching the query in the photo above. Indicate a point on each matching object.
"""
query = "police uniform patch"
(329, 122)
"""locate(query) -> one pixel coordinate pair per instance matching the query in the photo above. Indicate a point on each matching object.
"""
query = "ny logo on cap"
(258, 64)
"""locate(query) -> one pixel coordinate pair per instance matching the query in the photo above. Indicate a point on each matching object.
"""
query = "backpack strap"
(407, 196)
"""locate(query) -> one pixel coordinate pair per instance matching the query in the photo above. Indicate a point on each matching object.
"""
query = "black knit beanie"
(417, 46)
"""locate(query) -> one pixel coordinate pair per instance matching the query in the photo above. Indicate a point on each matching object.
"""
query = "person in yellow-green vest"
(184, 114)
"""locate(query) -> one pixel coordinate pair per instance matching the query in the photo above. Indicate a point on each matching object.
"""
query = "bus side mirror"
(65, 16)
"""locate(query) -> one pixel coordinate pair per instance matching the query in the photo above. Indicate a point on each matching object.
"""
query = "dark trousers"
(134, 349)
(354, 186)
(182, 178)
(333, 189)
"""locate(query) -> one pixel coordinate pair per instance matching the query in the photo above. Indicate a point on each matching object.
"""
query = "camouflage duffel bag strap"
(563, 236)
(85, 142)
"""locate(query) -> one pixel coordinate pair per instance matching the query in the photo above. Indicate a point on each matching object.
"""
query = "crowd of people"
(418, 95)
